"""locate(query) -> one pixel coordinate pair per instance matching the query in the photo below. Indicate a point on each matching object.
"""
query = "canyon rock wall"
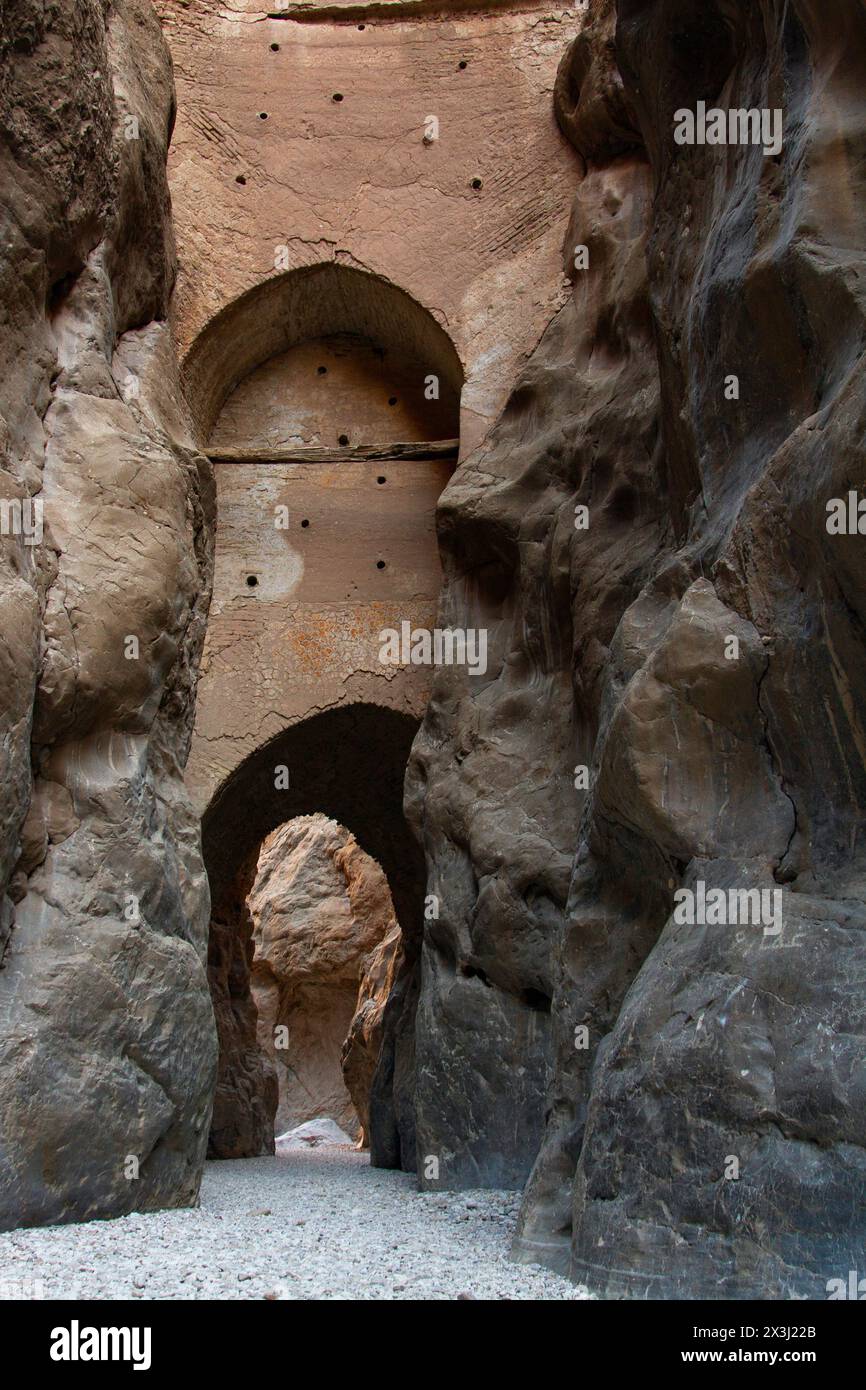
(362, 1046)
(697, 1090)
(104, 1099)
(320, 909)
(246, 1095)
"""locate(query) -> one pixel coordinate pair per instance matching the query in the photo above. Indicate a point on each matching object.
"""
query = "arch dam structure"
(369, 217)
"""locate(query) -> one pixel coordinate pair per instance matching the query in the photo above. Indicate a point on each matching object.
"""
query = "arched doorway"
(328, 400)
(348, 764)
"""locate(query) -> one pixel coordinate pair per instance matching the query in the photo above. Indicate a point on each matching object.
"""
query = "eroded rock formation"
(698, 648)
(245, 1098)
(323, 925)
(362, 1046)
(104, 1101)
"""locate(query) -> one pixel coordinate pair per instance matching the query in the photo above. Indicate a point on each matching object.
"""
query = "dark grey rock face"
(104, 1099)
(733, 1043)
(492, 786)
(699, 648)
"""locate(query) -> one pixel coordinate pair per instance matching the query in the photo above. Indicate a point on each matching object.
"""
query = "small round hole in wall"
(338, 96)
(380, 564)
(263, 115)
(362, 26)
(321, 370)
(392, 400)
(239, 178)
(275, 48)
(305, 522)
(252, 581)
(343, 440)
(476, 183)
(381, 480)
(462, 64)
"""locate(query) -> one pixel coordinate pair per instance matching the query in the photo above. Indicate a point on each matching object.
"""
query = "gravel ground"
(320, 1224)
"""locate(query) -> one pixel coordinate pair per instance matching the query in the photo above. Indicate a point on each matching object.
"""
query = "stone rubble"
(317, 1224)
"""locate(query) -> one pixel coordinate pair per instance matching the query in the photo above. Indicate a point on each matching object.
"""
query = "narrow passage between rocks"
(313, 1223)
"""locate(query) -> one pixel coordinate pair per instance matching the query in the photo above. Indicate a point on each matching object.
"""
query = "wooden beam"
(358, 453)
(335, 12)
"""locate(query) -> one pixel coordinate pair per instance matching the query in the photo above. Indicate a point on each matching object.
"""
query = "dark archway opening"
(348, 764)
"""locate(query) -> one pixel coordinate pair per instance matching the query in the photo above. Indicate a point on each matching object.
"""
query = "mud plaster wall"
(353, 182)
(350, 183)
(298, 217)
(304, 636)
(332, 391)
